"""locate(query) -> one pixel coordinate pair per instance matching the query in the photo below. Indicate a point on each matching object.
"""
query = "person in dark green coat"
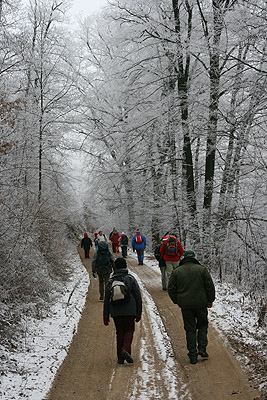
(191, 287)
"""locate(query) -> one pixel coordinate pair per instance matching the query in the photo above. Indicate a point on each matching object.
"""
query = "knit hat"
(164, 238)
(85, 235)
(120, 263)
(189, 253)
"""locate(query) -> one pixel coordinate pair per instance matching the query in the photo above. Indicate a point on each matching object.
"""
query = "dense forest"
(162, 106)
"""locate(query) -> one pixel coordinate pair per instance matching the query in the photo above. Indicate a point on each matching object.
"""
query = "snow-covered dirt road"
(161, 368)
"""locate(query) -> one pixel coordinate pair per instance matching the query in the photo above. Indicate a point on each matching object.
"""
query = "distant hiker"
(171, 251)
(86, 244)
(115, 241)
(102, 265)
(139, 244)
(191, 287)
(110, 236)
(124, 304)
(95, 239)
(101, 237)
(124, 243)
(162, 264)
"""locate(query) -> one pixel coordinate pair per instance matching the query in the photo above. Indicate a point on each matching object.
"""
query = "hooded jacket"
(132, 307)
(115, 237)
(190, 285)
(167, 257)
(103, 260)
(138, 246)
(86, 242)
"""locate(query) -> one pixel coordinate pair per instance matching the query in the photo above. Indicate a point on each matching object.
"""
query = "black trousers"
(124, 333)
(196, 328)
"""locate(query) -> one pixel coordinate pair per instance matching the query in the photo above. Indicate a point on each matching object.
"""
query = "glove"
(106, 322)
(209, 305)
(94, 275)
(138, 318)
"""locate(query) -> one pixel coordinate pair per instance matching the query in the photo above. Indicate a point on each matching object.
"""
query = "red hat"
(85, 235)
(164, 238)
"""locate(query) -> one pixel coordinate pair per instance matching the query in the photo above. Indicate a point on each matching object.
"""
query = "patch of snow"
(234, 316)
(162, 345)
(47, 341)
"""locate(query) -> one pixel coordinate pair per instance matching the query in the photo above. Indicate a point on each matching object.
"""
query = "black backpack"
(124, 240)
(119, 291)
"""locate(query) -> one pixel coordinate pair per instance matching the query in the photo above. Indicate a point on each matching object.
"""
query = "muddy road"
(161, 369)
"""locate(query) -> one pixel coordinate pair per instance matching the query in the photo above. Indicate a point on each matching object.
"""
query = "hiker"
(171, 251)
(101, 237)
(110, 236)
(139, 244)
(86, 244)
(95, 240)
(125, 311)
(162, 264)
(102, 265)
(191, 287)
(115, 241)
(124, 243)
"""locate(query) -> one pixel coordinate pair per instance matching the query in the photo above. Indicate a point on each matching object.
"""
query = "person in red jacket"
(115, 241)
(171, 251)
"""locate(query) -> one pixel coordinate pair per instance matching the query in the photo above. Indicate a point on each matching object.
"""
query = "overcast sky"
(87, 7)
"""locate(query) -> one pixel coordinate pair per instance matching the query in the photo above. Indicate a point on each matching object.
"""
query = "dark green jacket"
(190, 285)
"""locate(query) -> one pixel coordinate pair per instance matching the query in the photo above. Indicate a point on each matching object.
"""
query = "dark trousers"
(124, 332)
(103, 280)
(140, 256)
(124, 251)
(113, 248)
(196, 328)
(86, 253)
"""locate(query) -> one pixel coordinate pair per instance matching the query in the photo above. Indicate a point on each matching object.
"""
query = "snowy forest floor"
(161, 368)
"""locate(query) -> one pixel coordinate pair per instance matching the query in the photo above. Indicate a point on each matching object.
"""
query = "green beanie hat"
(189, 253)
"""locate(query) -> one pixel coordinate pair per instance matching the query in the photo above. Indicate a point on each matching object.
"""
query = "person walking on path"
(110, 236)
(95, 240)
(171, 251)
(124, 243)
(139, 244)
(101, 237)
(115, 241)
(191, 287)
(102, 265)
(125, 312)
(162, 264)
(86, 244)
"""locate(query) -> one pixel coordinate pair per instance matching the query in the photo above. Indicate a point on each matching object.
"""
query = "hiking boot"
(193, 360)
(126, 356)
(120, 361)
(101, 297)
(203, 354)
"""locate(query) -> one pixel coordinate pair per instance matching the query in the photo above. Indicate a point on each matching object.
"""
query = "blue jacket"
(139, 246)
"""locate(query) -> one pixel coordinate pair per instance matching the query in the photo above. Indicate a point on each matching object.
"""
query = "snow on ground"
(234, 316)
(162, 344)
(47, 341)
